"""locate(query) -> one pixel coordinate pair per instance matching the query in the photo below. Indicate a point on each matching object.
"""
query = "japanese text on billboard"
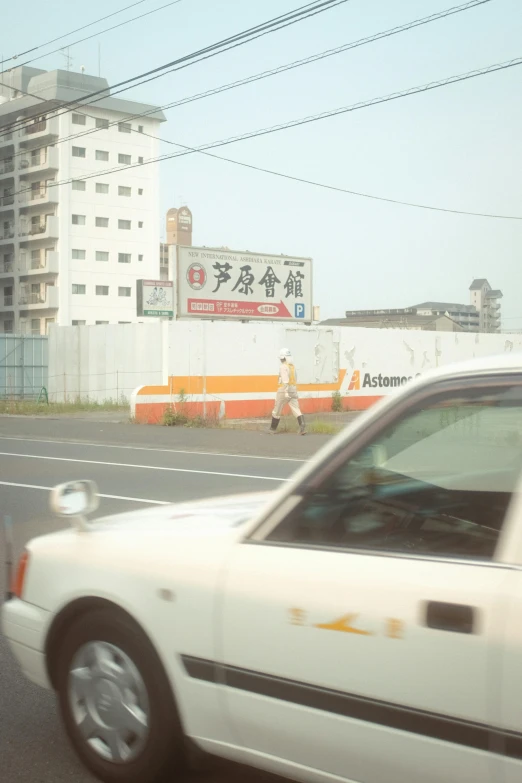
(230, 284)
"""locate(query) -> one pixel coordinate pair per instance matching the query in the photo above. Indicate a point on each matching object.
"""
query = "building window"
(102, 255)
(140, 191)
(140, 258)
(140, 160)
(78, 289)
(124, 127)
(102, 290)
(123, 191)
(8, 327)
(102, 123)
(35, 326)
(78, 152)
(140, 224)
(125, 159)
(102, 222)
(140, 128)
(79, 119)
(78, 323)
(101, 187)
(102, 155)
(78, 184)
(78, 220)
(78, 255)
(101, 323)
(123, 291)
(124, 258)
(126, 224)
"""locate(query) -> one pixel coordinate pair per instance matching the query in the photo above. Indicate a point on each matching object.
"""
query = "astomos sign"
(217, 283)
(380, 381)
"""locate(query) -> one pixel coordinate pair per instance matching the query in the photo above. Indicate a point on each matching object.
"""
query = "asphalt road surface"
(133, 467)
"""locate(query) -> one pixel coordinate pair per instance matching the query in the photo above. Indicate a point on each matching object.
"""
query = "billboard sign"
(155, 298)
(215, 283)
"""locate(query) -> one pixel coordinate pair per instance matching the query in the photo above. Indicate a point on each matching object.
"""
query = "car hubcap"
(109, 701)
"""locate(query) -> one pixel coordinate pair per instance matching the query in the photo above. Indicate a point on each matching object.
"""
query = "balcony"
(6, 269)
(45, 300)
(6, 203)
(7, 167)
(43, 229)
(6, 303)
(6, 139)
(36, 132)
(45, 262)
(7, 232)
(37, 197)
(38, 161)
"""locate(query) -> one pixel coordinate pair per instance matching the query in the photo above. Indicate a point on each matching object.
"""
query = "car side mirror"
(75, 499)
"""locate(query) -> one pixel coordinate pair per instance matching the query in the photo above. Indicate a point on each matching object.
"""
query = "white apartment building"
(72, 253)
(487, 301)
(481, 315)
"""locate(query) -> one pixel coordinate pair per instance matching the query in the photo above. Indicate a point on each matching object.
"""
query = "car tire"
(116, 701)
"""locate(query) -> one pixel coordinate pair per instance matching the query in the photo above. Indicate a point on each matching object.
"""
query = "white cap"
(284, 353)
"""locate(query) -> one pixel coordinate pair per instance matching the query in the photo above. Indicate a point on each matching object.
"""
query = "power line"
(71, 32)
(306, 120)
(239, 39)
(102, 32)
(282, 68)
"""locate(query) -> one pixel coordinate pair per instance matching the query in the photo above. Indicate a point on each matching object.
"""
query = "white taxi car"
(364, 623)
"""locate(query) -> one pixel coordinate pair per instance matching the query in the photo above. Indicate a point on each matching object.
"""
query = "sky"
(457, 147)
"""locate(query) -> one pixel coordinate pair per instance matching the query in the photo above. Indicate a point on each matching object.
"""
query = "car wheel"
(116, 701)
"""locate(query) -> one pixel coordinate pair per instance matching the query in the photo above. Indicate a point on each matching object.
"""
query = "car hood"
(213, 515)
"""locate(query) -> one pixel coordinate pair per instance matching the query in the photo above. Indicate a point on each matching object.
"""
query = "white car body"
(245, 631)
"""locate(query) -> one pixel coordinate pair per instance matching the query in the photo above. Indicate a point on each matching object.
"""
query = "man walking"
(287, 393)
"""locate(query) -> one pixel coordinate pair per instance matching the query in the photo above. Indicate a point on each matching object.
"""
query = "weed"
(176, 418)
(172, 418)
(337, 401)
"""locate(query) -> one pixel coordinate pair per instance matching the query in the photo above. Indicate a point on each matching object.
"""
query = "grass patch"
(313, 426)
(175, 418)
(33, 408)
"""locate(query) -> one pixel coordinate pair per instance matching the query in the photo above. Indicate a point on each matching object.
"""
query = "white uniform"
(287, 391)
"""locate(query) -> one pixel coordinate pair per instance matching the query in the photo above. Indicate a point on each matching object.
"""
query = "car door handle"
(455, 618)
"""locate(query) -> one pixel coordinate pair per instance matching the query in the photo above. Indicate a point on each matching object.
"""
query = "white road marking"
(152, 448)
(141, 467)
(111, 497)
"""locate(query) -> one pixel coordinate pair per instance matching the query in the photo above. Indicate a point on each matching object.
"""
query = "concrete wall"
(100, 363)
(230, 369)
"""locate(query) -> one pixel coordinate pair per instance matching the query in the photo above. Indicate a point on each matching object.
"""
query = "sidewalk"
(325, 423)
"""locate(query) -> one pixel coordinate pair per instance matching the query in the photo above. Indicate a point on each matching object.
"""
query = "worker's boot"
(273, 426)
(302, 426)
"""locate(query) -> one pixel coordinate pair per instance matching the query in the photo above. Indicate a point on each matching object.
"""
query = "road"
(133, 467)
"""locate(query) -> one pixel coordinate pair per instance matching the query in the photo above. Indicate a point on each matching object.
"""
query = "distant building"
(179, 232)
(396, 319)
(481, 315)
(466, 316)
(164, 261)
(486, 300)
(179, 226)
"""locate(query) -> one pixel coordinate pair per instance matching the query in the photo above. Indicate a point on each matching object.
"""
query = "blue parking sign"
(299, 310)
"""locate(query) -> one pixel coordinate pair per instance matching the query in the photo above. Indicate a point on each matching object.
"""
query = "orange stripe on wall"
(152, 412)
(233, 384)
